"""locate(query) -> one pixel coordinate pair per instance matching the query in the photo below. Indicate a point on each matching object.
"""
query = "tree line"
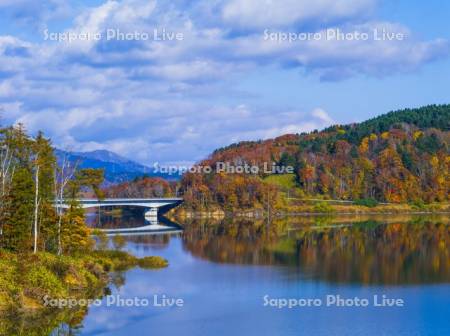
(142, 187)
(33, 189)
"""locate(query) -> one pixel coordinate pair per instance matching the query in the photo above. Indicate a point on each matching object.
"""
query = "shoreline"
(364, 213)
(305, 211)
(44, 274)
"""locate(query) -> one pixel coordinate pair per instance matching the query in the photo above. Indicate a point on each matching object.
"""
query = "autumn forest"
(398, 157)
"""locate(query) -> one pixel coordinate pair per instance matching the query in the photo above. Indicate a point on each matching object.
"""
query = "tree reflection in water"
(370, 251)
(364, 250)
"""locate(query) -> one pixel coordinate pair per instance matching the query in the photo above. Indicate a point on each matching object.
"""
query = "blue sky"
(176, 101)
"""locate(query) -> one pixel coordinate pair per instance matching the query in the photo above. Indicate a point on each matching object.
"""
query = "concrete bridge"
(154, 205)
(153, 226)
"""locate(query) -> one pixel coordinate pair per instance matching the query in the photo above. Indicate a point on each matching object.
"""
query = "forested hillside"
(401, 156)
(145, 187)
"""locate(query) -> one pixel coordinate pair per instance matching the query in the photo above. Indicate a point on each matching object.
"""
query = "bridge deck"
(154, 204)
(128, 200)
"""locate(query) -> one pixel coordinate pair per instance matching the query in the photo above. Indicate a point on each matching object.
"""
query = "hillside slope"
(401, 156)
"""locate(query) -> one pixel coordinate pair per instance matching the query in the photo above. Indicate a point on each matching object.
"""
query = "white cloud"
(282, 13)
(338, 58)
(149, 137)
(322, 115)
(33, 13)
(209, 53)
(177, 101)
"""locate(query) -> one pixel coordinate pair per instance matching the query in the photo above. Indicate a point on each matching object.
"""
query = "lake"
(348, 275)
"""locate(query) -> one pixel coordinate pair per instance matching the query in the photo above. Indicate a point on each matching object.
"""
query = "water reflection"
(132, 223)
(368, 251)
(119, 218)
(48, 321)
(347, 249)
(335, 250)
(39, 323)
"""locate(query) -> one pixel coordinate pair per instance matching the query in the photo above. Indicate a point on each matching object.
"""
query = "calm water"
(223, 271)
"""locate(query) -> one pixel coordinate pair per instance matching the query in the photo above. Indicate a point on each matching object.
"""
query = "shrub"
(117, 260)
(367, 202)
(26, 278)
(152, 262)
(39, 281)
(418, 205)
(8, 286)
(323, 207)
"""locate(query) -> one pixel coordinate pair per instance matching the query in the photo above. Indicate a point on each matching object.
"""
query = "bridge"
(153, 227)
(154, 205)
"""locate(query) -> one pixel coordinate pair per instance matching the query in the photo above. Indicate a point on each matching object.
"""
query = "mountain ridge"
(117, 168)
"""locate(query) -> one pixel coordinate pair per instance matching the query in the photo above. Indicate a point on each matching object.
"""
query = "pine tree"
(18, 202)
(18, 216)
(45, 221)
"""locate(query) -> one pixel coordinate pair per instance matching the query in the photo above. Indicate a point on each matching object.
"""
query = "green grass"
(26, 279)
(286, 181)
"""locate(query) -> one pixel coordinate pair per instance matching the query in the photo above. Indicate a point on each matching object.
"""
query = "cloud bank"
(175, 101)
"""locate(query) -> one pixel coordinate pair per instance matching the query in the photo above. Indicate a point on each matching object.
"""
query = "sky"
(221, 73)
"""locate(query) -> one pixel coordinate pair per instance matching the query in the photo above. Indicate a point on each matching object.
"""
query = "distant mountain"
(108, 156)
(117, 168)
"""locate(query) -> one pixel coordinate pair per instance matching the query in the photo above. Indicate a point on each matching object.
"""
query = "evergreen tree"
(44, 175)
(18, 216)
(18, 202)
(28, 187)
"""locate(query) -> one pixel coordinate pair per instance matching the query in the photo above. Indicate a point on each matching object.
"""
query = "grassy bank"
(294, 207)
(292, 200)
(25, 279)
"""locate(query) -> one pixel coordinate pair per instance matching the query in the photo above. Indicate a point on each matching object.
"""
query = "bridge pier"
(153, 213)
